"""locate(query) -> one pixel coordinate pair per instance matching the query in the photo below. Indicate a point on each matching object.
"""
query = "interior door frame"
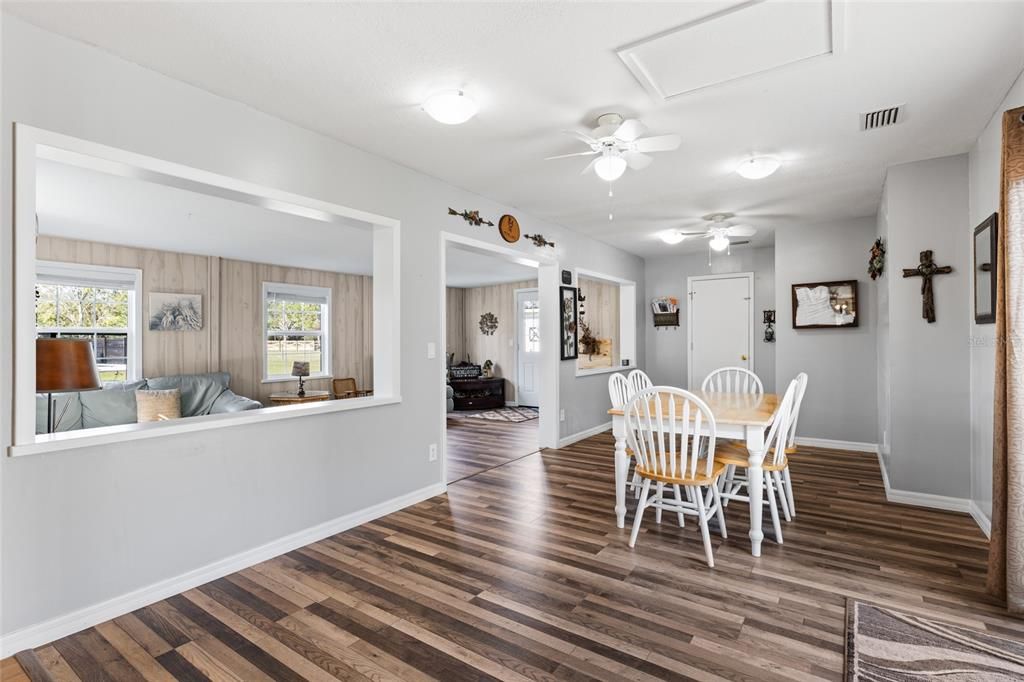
(519, 334)
(548, 277)
(749, 276)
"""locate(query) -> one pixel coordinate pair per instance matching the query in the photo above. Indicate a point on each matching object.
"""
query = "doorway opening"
(496, 387)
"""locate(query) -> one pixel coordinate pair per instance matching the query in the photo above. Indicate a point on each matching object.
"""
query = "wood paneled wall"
(163, 353)
(602, 311)
(232, 334)
(499, 347)
(241, 340)
(455, 322)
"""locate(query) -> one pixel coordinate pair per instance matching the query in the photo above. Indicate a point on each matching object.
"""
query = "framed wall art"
(569, 323)
(986, 241)
(825, 305)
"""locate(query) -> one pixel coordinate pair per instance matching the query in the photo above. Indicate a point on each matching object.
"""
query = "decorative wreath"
(488, 324)
(876, 261)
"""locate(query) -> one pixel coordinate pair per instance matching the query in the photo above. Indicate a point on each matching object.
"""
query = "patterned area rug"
(890, 646)
(505, 414)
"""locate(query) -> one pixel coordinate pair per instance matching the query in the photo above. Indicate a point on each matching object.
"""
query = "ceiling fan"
(617, 144)
(719, 230)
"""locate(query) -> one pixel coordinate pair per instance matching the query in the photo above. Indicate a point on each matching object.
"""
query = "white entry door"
(720, 324)
(527, 348)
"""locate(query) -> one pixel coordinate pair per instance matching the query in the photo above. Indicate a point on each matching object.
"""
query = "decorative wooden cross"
(925, 270)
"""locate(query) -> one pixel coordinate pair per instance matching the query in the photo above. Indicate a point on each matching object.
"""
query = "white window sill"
(603, 370)
(294, 380)
(85, 438)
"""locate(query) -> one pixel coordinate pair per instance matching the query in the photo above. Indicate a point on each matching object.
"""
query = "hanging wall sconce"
(769, 326)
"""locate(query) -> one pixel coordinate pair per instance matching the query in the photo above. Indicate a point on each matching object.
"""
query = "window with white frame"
(99, 303)
(296, 326)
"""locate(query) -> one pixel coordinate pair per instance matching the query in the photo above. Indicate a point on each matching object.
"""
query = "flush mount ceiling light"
(610, 166)
(451, 107)
(672, 237)
(758, 167)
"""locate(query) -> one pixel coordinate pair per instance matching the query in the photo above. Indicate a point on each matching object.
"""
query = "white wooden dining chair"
(638, 381)
(801, 387)
(619, 391)
(732, 380)
(668, 429)
(774, 463)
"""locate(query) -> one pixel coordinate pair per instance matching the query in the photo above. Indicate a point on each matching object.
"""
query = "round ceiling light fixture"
(719, 242)
(451, 107)
(672, 237)
(610, 166)
(758, 167)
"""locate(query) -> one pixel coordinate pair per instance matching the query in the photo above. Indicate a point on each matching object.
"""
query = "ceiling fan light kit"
(672, 237)
(617, 145)
(719, 242)
(450, 107)
(758, 167)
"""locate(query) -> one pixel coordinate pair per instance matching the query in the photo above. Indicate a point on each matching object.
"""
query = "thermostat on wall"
(566, 276)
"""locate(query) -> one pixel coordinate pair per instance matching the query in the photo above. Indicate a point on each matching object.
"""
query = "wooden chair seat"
(716, 471)
(736, 455)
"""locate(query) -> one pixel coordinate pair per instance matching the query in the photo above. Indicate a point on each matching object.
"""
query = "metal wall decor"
(569, 323)
(769, 326)
(538, 240)
(876, 259)
(986, 246)
(488, 324)
(926, 270)
(471, 217)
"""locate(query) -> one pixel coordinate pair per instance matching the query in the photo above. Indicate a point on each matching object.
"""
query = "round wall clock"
(508, 226)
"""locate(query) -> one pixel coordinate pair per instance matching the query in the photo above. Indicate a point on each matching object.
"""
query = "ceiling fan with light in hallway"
(718, 229)
(618, 143)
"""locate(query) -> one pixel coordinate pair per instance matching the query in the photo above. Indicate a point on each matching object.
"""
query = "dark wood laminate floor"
(520, 573)
(476, 445)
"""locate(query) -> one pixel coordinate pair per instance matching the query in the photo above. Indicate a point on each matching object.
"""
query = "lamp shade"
(65, 365)
(300, 369)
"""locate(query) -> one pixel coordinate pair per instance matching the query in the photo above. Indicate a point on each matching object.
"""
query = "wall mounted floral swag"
(876, 260)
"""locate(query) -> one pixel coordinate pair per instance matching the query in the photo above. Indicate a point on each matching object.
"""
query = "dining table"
(738, 416)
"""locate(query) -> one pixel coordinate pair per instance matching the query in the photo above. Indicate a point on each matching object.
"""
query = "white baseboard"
(511, 403)
(984, 522)
(576, 437)
(957, 504)
(838, 444)
(62, 626)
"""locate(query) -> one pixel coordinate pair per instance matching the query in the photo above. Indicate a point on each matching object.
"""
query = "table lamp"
(64, 366)
(300, 370)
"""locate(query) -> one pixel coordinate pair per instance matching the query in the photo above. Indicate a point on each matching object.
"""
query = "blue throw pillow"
(114, 404)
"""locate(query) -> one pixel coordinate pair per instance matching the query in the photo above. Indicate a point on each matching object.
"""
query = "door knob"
(743, 357)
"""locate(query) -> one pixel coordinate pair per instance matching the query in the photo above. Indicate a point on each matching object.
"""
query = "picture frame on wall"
(986, 243)
(569, 323)
(825, 305)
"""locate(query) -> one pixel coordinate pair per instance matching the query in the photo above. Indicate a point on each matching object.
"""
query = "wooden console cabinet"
(478, 394)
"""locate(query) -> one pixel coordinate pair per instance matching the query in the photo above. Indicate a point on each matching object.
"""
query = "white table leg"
(621, 469)
(755, 485)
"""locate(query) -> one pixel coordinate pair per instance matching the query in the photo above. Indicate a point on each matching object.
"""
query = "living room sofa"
(115, 403)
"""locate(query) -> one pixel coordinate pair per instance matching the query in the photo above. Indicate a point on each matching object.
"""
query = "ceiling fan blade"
(745, 241)
(589, 167)
(740, 231)
(629, 130)
(695, 234)
(636, 160)
(659, 143)
(565, 156)
(582, 137)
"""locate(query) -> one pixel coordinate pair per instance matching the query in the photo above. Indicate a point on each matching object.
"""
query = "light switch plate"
(431, 350)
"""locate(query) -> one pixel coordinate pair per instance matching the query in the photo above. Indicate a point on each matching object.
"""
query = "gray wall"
(926, 208)
(81, 527)
(984, 200)
(666, 276)
(840, 403)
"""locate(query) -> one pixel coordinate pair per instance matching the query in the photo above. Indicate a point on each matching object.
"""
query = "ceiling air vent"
(881, 118)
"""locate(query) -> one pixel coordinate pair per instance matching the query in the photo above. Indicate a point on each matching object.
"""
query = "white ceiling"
(79, 203)
(466, 268)
(358, 71)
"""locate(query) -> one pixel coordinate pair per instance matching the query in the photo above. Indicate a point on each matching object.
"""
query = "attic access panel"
(749, 38)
